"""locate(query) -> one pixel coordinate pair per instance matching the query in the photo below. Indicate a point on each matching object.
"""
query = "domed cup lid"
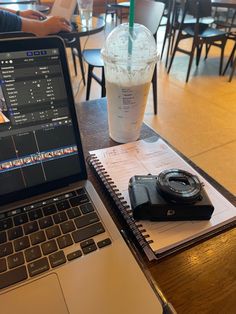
(134, 45)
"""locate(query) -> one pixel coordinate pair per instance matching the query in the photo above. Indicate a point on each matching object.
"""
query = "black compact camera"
(174, 194)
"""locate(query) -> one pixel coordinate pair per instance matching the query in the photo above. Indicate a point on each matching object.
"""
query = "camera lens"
(179, 186)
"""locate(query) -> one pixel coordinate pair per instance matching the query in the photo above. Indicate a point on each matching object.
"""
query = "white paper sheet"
(142, 158)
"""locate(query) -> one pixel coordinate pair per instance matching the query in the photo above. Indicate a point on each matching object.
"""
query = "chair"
(169, 31)
(200, 33)
(93, 58)
(115, 8)
(224, 18)
(232, 59)
(75, 46)
(111, 8)
(229, 23)
(174, 12)
(148, 13)
(225, 22)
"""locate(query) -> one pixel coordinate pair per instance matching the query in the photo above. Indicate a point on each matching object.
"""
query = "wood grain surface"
(199, 279)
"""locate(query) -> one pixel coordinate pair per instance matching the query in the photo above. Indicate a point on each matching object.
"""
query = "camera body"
(172, 195)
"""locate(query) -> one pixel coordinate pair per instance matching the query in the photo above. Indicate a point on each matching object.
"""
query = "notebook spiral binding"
(136, 228)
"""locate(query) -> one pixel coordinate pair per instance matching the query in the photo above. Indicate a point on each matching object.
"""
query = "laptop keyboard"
(36, 238)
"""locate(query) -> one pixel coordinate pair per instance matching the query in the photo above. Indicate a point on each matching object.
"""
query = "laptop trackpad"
(41, 296)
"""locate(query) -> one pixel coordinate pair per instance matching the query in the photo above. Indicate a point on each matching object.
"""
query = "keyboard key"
(88, 232)
(60, 217)
(14, 212)
(49, 210)
(104, 242)
(38, 267)
(15, 233)
(57, 259)
(3, 237)
(37, 237)
(67, 226)
(78, 200)
(3, 265)
(86, 220)
(6, 249)
(20, 219)
(89, 249)
(15, 260)
(21, 244)
(31, 227)
(32, 253)
(87, 208)
(35, 214)
(64, 241)
(87, 243)
(73, 255)
(73, 212)
(53, 232)
(49, 247)
(6, 224)
(45, 222)
(70, 194)
(63, 205)
(13, 276)
(88, 246)
(81, 191)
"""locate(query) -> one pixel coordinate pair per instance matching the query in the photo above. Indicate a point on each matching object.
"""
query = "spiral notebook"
(114, 166)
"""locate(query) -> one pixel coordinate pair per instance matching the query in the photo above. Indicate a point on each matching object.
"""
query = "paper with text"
(142, 158)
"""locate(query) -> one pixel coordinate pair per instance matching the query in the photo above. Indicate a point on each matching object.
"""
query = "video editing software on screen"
(37, 142)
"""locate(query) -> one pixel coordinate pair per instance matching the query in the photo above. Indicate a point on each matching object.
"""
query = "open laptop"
(60, 251)
(63, 8)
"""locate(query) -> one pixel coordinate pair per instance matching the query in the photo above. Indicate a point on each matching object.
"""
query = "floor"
(198, 118)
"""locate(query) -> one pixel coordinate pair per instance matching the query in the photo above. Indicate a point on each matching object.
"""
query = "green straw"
(131, 27)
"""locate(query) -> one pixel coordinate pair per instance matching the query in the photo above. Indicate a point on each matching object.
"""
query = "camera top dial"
(179, 186)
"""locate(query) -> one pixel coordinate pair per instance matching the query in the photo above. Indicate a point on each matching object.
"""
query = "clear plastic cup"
(129, 62)
(86, 12)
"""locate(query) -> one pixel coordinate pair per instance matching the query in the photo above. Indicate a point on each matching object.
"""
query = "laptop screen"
(37, 140)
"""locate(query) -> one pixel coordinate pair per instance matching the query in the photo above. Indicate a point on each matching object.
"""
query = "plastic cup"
(86, 11)
(129, 61)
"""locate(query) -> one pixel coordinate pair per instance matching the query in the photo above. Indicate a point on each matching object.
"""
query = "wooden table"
(200, 279)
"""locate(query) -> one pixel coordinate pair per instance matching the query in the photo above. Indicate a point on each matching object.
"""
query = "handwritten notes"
(151, 157)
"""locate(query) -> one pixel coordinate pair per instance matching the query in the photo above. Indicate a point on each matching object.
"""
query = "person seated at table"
(31, 21)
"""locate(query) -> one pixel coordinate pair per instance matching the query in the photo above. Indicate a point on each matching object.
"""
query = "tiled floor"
(198, 118)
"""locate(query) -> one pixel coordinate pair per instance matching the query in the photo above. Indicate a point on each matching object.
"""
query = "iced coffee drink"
(128, 79)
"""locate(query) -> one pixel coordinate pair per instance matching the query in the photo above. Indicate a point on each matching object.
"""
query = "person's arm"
(9, 22)
(8, 10)
(52, 25)
(29, 14)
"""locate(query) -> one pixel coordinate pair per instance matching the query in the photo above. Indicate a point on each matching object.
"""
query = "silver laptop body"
(60, 251)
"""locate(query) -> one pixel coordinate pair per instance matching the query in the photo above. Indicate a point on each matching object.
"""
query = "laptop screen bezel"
(23, 44)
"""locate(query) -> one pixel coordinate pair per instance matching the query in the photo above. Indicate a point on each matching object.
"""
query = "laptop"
(63, 8)
(60, 251)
